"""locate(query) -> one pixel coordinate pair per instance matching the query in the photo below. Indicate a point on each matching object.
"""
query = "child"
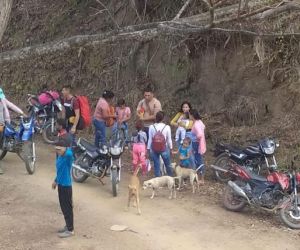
(183, 122)
(123, 114)
(63, 180)
(186, 154)
(139, 148)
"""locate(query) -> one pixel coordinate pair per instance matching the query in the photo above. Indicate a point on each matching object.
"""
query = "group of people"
(152, 132)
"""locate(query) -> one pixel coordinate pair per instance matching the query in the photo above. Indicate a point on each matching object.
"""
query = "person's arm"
(175, 120)
(138, 109)
(128, 115)
(13, 107)
(169, 137)
(77, 115)
(150, 137)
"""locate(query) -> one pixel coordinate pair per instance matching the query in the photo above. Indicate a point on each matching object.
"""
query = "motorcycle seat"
(88, 146)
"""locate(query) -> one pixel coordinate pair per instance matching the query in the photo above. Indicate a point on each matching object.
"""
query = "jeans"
(100, 132)
(123, 127)
(167, 161)
(198, 158)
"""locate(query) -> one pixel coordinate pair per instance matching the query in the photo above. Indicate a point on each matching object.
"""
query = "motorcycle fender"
(26, 135)
(114, 166)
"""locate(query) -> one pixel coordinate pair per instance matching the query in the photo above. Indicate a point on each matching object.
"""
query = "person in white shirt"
(157, 150)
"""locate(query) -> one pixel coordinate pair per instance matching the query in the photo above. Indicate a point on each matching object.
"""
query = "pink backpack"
(47, 97)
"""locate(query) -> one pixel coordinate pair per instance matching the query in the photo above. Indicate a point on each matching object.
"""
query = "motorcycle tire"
(2, 154)
(47, 134)
(231, 201)
(220, 176)
(114, 181)
(79, 176)
(288, 217)
(29, 156)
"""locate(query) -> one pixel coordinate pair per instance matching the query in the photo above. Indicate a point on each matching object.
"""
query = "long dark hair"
(187, 103)
(195, 114)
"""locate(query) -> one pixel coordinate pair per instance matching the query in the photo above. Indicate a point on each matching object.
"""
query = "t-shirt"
(154, 106)
(101, 105)
(71, 105)
(2, 119)
(63, 168)
(166, 131)
(122, 113)
(184, 152)
(140, 137)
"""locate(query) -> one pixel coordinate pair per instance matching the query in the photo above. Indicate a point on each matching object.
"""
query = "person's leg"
(100, 132)
(142, 158)
(199, 165)
(167, 161)
(155, 158)
(66, 204)
(135, 157)
(125, 130)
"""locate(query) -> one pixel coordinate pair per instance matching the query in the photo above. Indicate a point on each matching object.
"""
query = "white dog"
(183, 173)
(159, 182)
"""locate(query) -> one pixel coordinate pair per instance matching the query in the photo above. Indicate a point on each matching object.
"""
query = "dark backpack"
(158, 141)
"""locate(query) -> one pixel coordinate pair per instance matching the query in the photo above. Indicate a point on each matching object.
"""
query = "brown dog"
(134, 191)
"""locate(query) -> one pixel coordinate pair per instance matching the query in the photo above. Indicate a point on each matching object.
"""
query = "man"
(63, 180)
(71, 110)
(148, 108)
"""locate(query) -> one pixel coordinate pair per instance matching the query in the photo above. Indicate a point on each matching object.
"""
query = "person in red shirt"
(101, 115)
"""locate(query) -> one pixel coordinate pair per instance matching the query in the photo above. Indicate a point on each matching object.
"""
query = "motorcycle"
(98, 163)
(275, 192)
(18, 138)
(253, 157)
(46, 117)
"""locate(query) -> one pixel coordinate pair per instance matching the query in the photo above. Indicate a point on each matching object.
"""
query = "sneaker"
(66, 234)
(62, 230)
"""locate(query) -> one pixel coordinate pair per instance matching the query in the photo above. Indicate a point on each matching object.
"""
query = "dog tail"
(136, 171)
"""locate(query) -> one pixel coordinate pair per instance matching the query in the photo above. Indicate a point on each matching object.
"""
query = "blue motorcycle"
(18, 138)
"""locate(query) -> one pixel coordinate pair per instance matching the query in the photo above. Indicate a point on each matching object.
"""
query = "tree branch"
(187, 3)
(5, 9)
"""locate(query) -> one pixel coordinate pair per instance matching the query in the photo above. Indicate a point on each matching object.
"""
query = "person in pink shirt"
(102, 113)
(123, 114)
(198, 143)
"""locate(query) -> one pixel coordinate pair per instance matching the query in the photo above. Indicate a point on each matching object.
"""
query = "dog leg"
(174, 190)
(179, 182)
(192, 183)
(128, 203)
(153, 193)
(138, 203)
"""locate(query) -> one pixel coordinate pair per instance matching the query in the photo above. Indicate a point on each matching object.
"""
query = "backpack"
(47, 97)
(158, 141)
(85, 119)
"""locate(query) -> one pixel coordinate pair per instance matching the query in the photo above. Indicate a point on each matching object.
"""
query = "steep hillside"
(246, 87)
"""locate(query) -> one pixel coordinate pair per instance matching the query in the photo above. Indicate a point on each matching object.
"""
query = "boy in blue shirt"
(63, 181)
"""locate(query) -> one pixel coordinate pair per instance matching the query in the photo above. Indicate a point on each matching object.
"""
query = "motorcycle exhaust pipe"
(219, 169)
(238, 190)
(80, 169)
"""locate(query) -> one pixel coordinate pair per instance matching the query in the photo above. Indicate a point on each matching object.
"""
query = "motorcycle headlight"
(116, 150)
(269, 150)
(103, 150)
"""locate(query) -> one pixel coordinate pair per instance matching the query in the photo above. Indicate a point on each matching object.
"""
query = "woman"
(159, 127)
(183, 123)
(101, 116)
(5, 105)
(198, 143)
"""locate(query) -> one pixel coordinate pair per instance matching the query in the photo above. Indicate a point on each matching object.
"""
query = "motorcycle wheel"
(231, 201)
(290, 216)
(114, 181)
(78, 176)
(48, 136)
(222, 161)
(2, 153)
(29, 156)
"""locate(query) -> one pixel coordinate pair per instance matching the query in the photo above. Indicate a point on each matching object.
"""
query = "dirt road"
(30, 216)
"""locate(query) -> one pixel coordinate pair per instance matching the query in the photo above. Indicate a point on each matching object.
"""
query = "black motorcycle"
(46, 117)
(98, 163)
(253, 157)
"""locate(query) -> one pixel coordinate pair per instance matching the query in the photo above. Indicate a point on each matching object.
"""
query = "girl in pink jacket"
(198, 143)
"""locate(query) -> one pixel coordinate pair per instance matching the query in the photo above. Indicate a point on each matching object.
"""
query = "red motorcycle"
(276, 192)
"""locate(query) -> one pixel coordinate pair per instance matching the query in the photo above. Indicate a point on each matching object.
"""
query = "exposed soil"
(30, 216)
